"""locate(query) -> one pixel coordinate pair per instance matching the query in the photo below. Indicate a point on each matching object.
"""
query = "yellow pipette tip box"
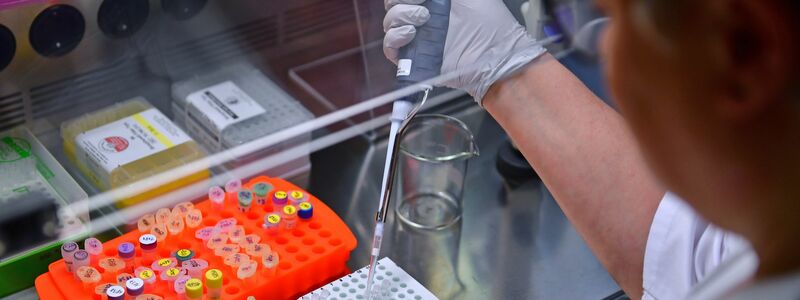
(128, 142)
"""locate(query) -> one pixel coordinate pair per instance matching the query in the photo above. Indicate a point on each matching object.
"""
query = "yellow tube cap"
(214, 278)
(194, 288)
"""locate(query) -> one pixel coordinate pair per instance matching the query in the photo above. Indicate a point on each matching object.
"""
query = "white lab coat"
(688, 258)
(683, 249)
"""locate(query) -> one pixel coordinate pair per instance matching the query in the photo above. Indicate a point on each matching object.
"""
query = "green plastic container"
(27, 167)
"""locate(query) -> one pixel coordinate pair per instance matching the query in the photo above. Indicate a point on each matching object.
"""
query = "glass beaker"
(435, 152)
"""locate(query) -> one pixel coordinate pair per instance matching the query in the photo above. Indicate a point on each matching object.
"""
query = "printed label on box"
(126, 140)
(223, 105)
(13, 149)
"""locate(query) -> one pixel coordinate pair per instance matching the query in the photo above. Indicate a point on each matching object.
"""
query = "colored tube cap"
(245, 198)
(272, 219)
(194, 288)
(184, 255)
(68, 248)
(280, 197)
(126, 250)
(306, 210)
(93, 246)
(115, 292)
(297, 196)
(261, 189)
(289, 211)
(80, 255)
(135, 286)
(148, 242)
(214, 278)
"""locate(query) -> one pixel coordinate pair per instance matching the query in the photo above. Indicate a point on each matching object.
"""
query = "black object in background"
(27, 220)
(122, 18)
(57, 30)
(8, 46)
(183, 9)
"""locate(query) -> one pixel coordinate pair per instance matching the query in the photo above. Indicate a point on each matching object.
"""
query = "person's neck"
(777, 239)
(778, 253)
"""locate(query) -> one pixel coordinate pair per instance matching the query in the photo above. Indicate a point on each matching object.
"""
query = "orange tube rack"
(311, 255)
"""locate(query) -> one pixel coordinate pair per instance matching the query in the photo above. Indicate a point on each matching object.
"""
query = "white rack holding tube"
(400, 285)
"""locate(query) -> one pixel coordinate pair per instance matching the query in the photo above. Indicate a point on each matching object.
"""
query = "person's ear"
(755, 49)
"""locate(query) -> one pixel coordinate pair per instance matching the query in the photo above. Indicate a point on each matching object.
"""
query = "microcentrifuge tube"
(115, 292)
(245, 199)
(237, 234)
(127, 251)
(194, 218)
(225, 225)
(101, 289)
(111, 265)
(148, 243)
(295, 197)
(183, 208)
(225, 250)
(183, 255)
(270, 261)
(170, 275)
(279, 199)
(123, 277)
(237, 259)
(305, 211)
(80, 258)
(233, 185)
(204, 233)
(214, 284)
(148, 297)
(163, 264)
(134, 287)
(175, 225)
(289, 216)
(146, 223)
(247, 271)
(94, 247)
(217, 196)
(272, 223)
(67, 250)
(179, 285)
(88, 276)
(194, 289)
(162, 215)
(217, 240)
(250, 239)
(147, 275)
(195, 267)
(160, 232)
(261, 190)
(257, 250)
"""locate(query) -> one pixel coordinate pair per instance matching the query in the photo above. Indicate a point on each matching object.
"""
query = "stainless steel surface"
(511, 244)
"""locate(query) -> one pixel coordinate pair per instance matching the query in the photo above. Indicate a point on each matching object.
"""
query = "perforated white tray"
(391, 282)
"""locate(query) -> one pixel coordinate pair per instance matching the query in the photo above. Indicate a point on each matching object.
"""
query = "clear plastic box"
(28, 173)
(127, 142)
(236, 105)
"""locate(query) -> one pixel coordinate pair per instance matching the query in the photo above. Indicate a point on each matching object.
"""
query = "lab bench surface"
(512, 243)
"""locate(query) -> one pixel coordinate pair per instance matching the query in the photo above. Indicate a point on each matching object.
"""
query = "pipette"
(420, 60)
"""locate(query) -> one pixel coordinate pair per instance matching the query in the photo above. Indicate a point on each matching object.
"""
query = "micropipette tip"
(377, 239)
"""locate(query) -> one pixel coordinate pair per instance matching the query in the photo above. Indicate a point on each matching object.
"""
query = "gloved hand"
(484, 42)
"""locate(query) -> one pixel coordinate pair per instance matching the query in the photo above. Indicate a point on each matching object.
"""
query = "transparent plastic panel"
(246, 88)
